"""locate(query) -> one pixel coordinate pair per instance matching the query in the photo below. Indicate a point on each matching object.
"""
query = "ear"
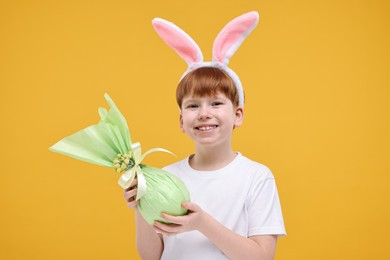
(178, 40)
(232, 35)
(181, 123)
(239, 116)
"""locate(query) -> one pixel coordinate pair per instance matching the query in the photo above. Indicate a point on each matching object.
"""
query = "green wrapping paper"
(108, 143)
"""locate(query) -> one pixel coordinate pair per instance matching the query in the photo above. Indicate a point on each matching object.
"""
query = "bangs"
(206, 81)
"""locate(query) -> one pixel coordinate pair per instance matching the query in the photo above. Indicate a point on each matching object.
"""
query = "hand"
(180, 224)
(130, 193)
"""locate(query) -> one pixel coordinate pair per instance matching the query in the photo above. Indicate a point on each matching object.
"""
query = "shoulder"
(255, 169)
(262, 186)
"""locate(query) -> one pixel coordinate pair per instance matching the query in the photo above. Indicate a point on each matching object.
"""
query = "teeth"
(206, 128)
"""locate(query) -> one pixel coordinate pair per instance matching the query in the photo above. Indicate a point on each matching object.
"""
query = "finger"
(167, 228)
(173, 219)
(162, 232)
(135, 182)
(190, 206)
(132, 204)
(129, 195)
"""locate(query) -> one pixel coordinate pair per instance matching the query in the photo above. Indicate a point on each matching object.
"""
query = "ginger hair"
(206, 81)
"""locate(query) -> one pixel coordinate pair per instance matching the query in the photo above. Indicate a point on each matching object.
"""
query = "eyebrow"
(189, 101)
(196, 99)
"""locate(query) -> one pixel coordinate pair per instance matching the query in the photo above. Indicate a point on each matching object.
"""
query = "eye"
(191, 106)
(216, 103)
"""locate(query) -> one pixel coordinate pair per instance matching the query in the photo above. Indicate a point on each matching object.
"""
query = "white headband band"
(225, 45)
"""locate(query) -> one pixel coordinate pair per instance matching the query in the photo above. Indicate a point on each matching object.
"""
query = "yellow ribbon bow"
(127, 178)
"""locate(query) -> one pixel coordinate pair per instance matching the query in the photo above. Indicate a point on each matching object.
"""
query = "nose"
(204, 113)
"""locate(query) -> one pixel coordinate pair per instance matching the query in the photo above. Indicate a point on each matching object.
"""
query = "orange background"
(316, 76)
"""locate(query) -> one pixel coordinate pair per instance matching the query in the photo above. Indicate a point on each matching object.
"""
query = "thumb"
(191, 206)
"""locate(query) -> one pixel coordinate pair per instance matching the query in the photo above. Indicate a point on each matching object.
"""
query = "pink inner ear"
(178, 40)
(232, 35)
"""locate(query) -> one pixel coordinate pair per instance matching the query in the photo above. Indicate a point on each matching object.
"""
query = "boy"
(234, 210)
(220, 181)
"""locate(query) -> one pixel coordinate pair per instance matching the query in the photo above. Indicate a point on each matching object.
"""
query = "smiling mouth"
(206, 128)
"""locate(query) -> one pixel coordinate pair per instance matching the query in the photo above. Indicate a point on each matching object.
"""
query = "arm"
(230, 243)
(235, 246)
(149, 244)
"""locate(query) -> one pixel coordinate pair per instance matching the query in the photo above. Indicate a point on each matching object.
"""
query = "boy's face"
(210, 120)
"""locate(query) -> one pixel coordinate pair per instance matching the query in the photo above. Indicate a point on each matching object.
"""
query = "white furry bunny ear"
(178, 40)
(225, 45)
(232, 35)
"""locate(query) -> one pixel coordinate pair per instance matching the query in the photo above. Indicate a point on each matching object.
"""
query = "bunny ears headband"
(225, 45)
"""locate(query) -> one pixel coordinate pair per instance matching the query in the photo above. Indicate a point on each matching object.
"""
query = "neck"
(212, 158)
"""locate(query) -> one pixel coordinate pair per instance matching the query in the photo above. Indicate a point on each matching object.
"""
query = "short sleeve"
(263, 206)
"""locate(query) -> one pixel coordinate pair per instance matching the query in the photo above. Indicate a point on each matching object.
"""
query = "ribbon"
(127, 178)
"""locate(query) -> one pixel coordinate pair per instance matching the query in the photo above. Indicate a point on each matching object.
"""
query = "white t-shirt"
(242, 196)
